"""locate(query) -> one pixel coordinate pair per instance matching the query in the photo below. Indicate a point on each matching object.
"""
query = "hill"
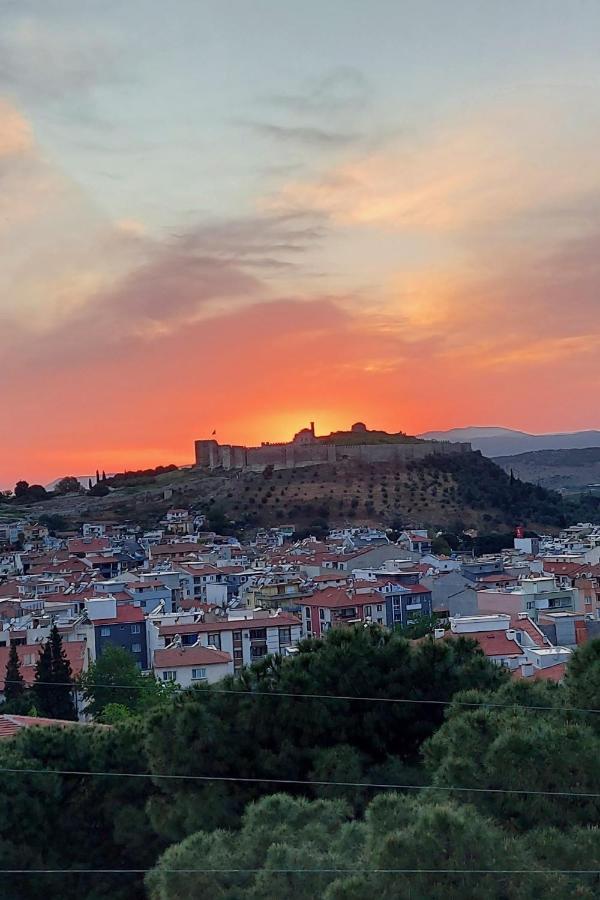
(562, 470)
(495, 441)
(453, 491)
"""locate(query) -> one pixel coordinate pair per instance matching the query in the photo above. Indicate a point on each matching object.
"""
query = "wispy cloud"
(484, 169)
(305, 134)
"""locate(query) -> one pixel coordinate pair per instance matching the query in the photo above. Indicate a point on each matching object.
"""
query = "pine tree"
(103, 475)
(97, 476)
(89, 484)
(14, 684)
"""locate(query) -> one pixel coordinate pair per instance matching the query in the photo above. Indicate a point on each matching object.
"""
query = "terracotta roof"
(336, 598)
(564, 568)
(88, 545)
(529, 628)
(11, 725)
(554, 673)
(230, 625)
(493, 643)
(126, 614)
(175, 657)
(75, 651)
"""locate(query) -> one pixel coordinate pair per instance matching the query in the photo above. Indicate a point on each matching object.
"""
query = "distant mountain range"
(496, 441)
(569, 471)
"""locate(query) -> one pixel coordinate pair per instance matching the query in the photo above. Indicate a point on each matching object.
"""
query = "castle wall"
(210, 454)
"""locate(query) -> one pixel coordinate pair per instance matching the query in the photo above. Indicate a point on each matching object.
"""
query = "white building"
(191, 665)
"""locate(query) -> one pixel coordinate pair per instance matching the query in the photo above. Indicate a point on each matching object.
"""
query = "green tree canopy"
(115, 680)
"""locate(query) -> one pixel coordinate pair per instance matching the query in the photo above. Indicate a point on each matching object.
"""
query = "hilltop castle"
(307, 449)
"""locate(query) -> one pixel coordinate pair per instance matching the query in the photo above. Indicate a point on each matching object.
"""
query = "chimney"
(312, 427)
(527, 670)
(438, 633)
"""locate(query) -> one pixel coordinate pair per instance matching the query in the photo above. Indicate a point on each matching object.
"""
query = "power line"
(344, 697)
(301, 782)
(358, 870)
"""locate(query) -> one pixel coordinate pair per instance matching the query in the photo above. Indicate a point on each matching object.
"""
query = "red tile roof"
(88, 545)
(554, 673)
(11, 725)
(126, 614)
(340, 597)
(175, 657)
(529, 628)
(493, 643)
(564, 568)
(75, 651)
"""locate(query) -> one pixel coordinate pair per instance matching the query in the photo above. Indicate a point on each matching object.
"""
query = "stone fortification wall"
(211, 455)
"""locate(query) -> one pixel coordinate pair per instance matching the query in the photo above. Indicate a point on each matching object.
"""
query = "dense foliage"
(481, 484)
(492, 734)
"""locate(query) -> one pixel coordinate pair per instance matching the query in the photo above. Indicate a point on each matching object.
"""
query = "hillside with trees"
(453, 492)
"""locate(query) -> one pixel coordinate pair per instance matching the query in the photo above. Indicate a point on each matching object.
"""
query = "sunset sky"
(243, 215)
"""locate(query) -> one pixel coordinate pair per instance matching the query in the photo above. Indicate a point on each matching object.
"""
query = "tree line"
(504, 786)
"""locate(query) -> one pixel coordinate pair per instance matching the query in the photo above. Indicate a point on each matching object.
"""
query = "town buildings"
(191, 606)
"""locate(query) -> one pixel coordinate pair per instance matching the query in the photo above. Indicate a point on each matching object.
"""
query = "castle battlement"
(306, 448)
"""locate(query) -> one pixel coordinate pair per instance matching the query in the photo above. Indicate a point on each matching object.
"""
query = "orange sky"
(416, 247)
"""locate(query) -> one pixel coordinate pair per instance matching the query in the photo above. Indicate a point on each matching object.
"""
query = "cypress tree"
(62, 675)
(14, 683)
(42, 687)
(53, 683)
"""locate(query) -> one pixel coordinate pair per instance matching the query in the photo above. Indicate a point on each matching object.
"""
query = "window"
(368, 611)
(307, 611)
(258, 634)
(380, 621)
(258, 650)
(136, 648)
(285, 636)
(168, 675)
(214, 640)
(321, 613)
(198, 674)
(379, 607)
(105, 631)
(135, 629)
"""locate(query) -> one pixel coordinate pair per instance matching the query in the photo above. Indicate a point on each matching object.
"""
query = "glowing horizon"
(398, 225)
